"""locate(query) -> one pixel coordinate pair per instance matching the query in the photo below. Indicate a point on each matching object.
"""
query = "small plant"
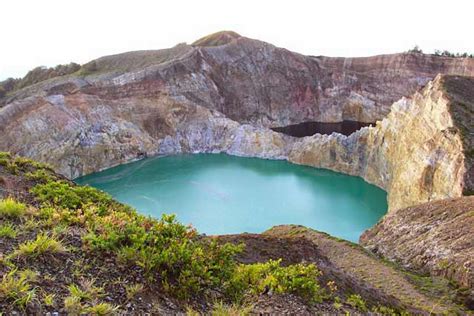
(9, 208)
(101, 309)
(48, 299)
(43, 244)
(73, 306)
(87, 291)
(133, 290)
(357, 302)
(8, 231)
(15, 286)
(30, 224)
(337, 302)
(221, 309)
(76, 291)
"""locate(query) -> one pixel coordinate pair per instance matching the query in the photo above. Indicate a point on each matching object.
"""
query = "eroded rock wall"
(79, 134)
(416, 153)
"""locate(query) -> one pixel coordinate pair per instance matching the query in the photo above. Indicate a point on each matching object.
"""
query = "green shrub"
(186, 264)
(61, 194)
(298, 279)
(41, 175)
(4, 158)
(9, 208)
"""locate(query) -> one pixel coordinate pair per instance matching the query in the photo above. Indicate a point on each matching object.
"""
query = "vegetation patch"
(34, 76)
(9, 208)
(271, 276)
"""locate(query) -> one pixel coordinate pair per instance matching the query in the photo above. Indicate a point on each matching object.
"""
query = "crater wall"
(224, 98)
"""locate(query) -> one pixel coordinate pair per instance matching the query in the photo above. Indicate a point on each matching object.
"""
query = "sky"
(51, 32)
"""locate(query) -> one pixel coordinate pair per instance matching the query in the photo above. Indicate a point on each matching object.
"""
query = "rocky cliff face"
(416, 153)
(222, 93)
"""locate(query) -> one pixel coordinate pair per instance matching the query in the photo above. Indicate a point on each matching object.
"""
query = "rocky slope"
(434, 238)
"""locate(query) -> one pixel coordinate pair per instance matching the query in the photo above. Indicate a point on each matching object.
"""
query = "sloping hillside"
(66, 248)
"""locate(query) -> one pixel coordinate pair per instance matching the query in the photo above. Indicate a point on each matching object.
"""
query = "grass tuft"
(43, 244)
(133, 290)
(15, 287)
(9, 208)
(101, 309)
(8, 231)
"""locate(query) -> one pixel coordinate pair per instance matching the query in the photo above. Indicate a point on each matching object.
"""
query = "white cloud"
(50, 32)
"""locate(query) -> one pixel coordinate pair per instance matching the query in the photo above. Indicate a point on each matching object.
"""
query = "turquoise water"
(221, 194)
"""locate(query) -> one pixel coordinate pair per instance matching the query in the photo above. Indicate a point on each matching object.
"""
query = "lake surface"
(221, 194)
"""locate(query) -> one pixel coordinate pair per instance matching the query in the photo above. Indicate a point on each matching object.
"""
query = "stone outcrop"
(435, 238)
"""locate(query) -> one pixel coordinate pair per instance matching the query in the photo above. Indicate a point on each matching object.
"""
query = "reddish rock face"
(250, 81)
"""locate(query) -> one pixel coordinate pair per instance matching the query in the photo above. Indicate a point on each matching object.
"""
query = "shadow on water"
(311, 128)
